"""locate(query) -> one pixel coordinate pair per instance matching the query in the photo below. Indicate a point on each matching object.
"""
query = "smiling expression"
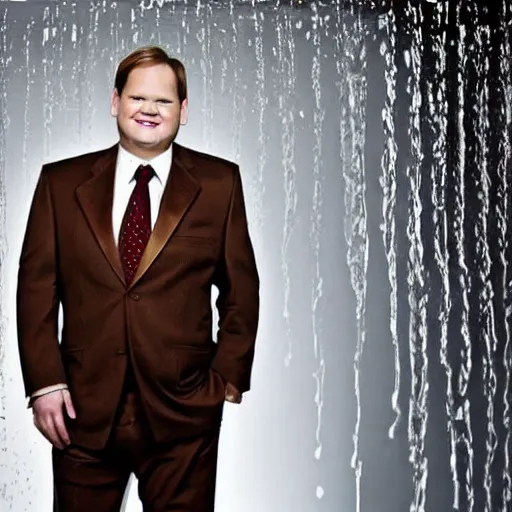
(148, 111)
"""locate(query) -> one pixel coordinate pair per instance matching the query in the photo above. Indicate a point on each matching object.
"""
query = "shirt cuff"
(45, 391)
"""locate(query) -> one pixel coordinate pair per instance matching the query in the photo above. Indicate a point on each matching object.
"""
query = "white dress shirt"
(124, 183)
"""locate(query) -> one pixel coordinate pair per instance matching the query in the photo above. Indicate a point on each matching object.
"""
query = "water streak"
(504, 114)
(27, 37)
(286, 55)
(418, 297)
(388, 184)
(487, 328)
(316, 225)
(353, 126)
(237, 99)
(4, 126)
(204, 39)
(261, 102)
(463, 431)
(90, 92)
(48, 65)
(437, 119)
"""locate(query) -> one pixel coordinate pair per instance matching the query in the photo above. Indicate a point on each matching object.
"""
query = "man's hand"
(232, 394)
(49, 416)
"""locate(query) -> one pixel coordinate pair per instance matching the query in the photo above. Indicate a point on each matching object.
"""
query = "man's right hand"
(49, 416)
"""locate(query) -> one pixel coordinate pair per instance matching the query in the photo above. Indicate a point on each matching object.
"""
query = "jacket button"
(134, 296)
(120, 351)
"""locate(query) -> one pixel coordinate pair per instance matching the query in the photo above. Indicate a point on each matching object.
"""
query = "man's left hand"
(232, 394)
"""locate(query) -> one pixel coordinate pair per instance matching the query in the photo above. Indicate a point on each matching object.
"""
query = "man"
(130, 240)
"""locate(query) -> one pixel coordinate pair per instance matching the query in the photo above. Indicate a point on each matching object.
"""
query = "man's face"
(148, 111)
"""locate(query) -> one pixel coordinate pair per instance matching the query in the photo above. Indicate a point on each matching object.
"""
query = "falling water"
(238, 107)
(485, 291)
(316, 225)
(75, 103)
(4, 126)
(418, 413)
(354, 86)
(29, 77)
(463, 436)
(389, 187)
(502, 212)
(134, 27)
(258, 17)
(115, 29)
(48, 65)
(286, 54)
(89, 92)
(437, 118)
(205, 41)
(158, 30)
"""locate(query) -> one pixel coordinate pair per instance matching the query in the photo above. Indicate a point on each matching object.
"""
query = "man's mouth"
(147, 124)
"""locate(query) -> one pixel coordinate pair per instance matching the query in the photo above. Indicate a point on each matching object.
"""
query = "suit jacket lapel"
(95, 197)
(179, 194)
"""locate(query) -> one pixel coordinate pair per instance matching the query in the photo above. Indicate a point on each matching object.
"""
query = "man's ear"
(184, 112)
(114, 104)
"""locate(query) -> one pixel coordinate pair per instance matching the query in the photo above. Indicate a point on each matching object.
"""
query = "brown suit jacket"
(163, 320)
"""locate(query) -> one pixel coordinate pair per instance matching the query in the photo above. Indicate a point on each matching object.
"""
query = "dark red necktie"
(136, 225)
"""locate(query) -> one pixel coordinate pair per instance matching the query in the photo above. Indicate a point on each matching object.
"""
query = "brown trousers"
(178, 478)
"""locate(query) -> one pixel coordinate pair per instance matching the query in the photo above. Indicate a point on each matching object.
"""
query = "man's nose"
(149, 108)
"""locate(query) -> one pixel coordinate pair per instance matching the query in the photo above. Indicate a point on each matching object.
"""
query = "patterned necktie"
(136, 225)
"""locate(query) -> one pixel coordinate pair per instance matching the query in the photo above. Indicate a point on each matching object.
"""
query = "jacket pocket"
(190, 365)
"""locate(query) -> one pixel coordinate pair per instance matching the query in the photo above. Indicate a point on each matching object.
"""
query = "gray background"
(374, 144)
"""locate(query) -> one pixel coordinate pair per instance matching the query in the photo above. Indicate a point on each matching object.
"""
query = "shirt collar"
(128, 163)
